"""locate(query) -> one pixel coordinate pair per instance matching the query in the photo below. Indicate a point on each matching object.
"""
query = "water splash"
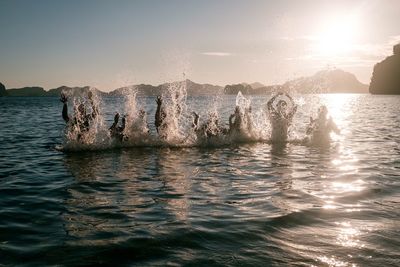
(248, 124)
(86, 128)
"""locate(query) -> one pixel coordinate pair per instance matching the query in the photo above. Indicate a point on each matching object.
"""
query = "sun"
(336, 36)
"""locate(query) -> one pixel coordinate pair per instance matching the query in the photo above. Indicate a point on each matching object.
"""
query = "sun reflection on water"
(348, 235)
(340, 106)
(343, 187)
(339, 185)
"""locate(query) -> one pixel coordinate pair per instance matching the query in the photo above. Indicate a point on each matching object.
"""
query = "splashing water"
(250, 124)
(175, 97)
(136, 126)
(86, 130)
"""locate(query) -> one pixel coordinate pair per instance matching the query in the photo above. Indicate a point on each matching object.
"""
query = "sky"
(110, 44)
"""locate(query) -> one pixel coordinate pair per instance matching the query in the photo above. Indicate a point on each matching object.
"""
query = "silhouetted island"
(3, 91)
(192, 88)
(27, 91)
(73, 91)
(326, 81)
(386, 76)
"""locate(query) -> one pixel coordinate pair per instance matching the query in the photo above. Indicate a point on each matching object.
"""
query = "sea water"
(236, 202)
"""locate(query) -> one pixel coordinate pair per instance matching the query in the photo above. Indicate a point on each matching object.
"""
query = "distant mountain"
(3, 91)
(57, 91)
(27, 91)
(192, 88)
(140, 89)
(247, 89)
(266, 90)
(73, 91)
(386, 75)
(39, 91)
(234, 89)
(196, 89)
(327, 81)
(257, 85)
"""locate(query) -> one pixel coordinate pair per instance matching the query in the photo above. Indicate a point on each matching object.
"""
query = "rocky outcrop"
(327, 81)
(74, 91)
(3, 91)
(256, 85)
(386, 75)
(192, 89)
(27, 91)
(197, 89)
(140, 89)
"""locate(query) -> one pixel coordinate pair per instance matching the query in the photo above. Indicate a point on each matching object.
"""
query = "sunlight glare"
(336, 37)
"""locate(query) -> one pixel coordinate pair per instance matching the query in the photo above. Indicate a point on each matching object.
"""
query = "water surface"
(251, 204)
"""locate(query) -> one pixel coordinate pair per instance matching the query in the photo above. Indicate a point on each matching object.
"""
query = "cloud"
(217, 54)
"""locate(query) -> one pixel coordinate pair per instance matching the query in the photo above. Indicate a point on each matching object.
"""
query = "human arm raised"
(294, 106)
(158, 115)
(64, 100)
(95, 110)
(114, 125)
(195, 122)
(333, 126)
(270, 105)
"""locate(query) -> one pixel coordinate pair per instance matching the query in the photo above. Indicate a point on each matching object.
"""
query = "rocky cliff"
(3, 91)
(386, 75)
(27, 91)
(327, 81)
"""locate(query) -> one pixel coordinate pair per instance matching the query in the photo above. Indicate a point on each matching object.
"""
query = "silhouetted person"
(143, 124)
(81, 118)
(235, 121)
(249, 119)
(320, 128)
(195, 122)
(117, 132)
(210, 128)
(178, 106)
(160, 117)
(281, 117)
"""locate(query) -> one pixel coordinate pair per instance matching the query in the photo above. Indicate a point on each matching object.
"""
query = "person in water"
(281, 117)
(235, 121)
(178, 106)
(195, 122)
(249, 119)
(160, 119)
(117, 132)
(81, 119)
(142, 122)
(210, 128)
(320, 128)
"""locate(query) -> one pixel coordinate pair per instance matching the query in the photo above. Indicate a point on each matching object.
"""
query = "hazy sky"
(109, 44)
